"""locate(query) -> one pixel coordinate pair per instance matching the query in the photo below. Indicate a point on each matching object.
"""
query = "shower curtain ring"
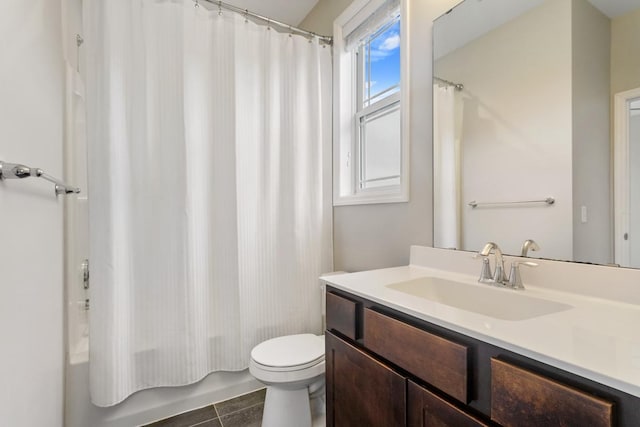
(220, 8)
(268, 24)
(197, 4)
(290, 31)
(246, 16)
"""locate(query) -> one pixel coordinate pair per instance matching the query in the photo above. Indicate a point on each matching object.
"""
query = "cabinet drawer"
(523, 398)
(425, 409)
(341, 315)
(433, 359)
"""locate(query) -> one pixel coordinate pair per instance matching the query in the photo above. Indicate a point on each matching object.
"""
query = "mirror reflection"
(537, 128)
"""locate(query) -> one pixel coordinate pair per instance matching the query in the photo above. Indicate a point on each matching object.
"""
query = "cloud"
(390, 43)
(384, 48)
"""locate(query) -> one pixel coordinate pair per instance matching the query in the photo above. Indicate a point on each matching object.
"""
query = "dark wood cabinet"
(361, 391)
(435, 360)
(341, 315)
(523, 398)
(386, 368)
(426, 409)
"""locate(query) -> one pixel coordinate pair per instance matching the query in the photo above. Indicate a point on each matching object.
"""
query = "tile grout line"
(215, 408)
(199, 423)
(217, 417)
(215, 405)
(240, 410)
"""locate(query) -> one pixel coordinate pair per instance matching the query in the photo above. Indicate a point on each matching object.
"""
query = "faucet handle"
(515, 280)
(485, 274)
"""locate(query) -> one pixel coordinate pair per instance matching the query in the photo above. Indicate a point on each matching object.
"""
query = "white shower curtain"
(210, 212)
(446, 169)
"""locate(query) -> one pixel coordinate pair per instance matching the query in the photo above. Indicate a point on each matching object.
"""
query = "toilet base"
(286, 408)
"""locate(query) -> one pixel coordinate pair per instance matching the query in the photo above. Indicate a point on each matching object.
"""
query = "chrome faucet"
(498, 276)
(528, 245)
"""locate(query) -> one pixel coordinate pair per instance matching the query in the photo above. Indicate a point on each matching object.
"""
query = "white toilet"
(292, 367)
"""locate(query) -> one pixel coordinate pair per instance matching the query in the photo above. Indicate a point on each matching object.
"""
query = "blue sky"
(385, 58)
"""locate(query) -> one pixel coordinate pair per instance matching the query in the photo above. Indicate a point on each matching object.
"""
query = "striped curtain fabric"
(210, 192)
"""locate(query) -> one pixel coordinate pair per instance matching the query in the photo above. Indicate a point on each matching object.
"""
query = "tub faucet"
(498, 276)
(528, 245)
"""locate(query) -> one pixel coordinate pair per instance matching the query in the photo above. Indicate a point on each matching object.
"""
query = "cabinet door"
(361, 391)
(425, 409)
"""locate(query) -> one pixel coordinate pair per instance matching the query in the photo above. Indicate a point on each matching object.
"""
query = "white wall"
(516, 135)
(376, 236)
(31, 261)
(625, 61)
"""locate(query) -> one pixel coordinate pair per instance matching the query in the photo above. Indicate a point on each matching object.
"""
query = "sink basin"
(481, 299)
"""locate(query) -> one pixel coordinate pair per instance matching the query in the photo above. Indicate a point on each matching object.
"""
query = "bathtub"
(144, 406)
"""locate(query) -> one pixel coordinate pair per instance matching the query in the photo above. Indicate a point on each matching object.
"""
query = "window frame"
(346, 138)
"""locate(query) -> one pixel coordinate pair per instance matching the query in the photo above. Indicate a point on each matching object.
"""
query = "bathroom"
(45, 369)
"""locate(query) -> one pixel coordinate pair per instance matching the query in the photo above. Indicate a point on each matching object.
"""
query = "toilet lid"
(289, 351)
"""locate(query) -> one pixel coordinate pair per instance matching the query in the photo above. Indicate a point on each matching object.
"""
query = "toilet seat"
(293, 368)
(289, 353)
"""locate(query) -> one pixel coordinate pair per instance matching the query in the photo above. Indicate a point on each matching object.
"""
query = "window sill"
(370, 199)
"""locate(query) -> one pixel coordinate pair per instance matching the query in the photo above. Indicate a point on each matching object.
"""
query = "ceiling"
(286, 11)
(615, 8)
(474, 18)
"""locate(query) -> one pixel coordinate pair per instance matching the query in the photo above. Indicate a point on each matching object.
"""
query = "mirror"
(527, 142)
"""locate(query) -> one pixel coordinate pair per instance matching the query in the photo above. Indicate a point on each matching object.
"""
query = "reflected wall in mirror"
(524, 134)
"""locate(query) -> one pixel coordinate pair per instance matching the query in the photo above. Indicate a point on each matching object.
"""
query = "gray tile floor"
(241, 411)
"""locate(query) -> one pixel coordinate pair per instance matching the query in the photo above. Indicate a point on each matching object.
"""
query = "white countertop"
(598, 338)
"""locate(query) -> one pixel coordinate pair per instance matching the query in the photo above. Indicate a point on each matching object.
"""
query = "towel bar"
(17, 171)
(548, 201)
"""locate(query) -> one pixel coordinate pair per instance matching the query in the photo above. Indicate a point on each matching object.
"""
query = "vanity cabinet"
(386, 368)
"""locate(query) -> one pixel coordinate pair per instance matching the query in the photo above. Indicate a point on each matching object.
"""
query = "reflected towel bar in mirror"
(547, 201)
(17, 171)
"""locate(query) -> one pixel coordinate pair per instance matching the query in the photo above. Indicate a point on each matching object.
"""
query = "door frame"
(621, 102)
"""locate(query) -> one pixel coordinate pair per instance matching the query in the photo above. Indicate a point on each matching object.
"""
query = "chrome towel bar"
(548, 201)
(16, 171)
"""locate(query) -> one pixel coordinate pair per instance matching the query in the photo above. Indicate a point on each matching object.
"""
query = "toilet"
(292, 367)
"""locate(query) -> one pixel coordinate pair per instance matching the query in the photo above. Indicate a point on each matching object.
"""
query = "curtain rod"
(458, 86)
(246, 12)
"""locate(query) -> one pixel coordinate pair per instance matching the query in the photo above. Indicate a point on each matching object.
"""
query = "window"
(371, 146)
